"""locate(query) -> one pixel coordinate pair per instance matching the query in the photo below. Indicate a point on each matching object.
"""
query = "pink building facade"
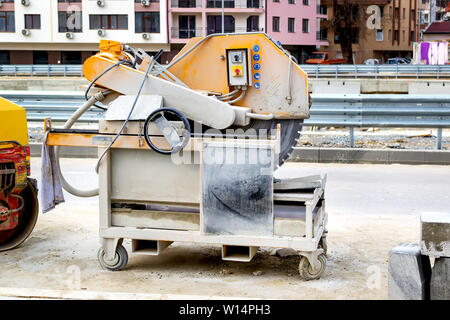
(294, 23)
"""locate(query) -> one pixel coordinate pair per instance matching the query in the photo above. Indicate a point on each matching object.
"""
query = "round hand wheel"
(168, 131)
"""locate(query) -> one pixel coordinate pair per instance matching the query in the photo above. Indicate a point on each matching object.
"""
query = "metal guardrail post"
(438, 68)
(65, 71)
(352, 137)
(15, 71)
(439, 139)
(377, 71)
(48, 71)
(317, 71)
(356, 71)
(337, 72)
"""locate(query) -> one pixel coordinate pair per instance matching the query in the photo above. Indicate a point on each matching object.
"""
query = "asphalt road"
(371, 209)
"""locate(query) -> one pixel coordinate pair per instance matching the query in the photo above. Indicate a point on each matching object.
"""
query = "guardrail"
(381, 110)
(377, 71)
(313, 70)
(339, 110)
(41, 70)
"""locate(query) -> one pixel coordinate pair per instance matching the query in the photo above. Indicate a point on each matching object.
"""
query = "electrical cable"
(150, 65)
(101, 75)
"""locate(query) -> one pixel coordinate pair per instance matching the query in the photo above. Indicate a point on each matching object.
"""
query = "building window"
(291, 24)
(381, 11)
(186, 25)
(397, 13)
(4, 57)
(253, 23)
(306, 2)
(69, 0)
(413, 36)
(70, 22)
(183, 3)
(291, 1)
(389, 35)
(403, 35)
(379, 35)
(147, 22)
(305, 25)
(276, 0)
(276, 24)
(32, 21)
(214, 24)
(413, 14)
(404, 13)
(40, 57)
(395, 35)
(108, 21)
(7, 21)
(336, 38)
(253, 4)
(218, 4)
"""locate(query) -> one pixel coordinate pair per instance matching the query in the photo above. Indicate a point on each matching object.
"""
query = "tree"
(345, 16)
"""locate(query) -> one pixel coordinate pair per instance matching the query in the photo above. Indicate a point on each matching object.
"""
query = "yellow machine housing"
(13, 122)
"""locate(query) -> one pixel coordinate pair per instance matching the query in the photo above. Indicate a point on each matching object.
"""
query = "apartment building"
(394, 36)
(68, 31)
(294, 23)
(195, 18)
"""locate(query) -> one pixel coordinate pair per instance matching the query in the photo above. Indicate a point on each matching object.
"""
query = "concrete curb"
(374, 156)
(317, 155)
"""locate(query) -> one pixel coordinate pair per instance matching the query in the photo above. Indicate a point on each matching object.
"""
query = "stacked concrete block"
(409, 273)
(435, 234)
(440, 280)
(435, 242)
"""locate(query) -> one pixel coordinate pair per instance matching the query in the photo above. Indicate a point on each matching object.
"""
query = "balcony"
(239, 4)
(322, 35)
(177, 33)
(186, 3)
(180, 35)
(322, 10)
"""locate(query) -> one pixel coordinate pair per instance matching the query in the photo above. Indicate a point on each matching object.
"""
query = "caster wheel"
(119, 262)
(306, 271)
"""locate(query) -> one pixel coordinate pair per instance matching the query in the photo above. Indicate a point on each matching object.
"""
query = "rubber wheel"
(289, 132)
(119, 262)
(10, 239)
(306, 271)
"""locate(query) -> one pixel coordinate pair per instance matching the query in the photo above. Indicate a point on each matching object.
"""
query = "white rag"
(51, 188)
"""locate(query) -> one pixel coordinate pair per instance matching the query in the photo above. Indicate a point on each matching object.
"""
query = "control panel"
(237, 67)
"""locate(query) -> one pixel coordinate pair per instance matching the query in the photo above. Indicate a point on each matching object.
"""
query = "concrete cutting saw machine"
(189, 151)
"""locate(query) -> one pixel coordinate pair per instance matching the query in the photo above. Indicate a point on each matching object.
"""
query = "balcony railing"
(184, 33)
(321, 36)
(322, 10)
(240, 4)
(186, 3)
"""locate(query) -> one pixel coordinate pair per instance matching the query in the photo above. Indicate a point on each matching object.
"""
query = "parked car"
(372, 61)
(321, 57)
(397, 61)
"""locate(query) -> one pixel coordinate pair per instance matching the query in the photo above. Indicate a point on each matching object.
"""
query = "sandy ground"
(371, 209)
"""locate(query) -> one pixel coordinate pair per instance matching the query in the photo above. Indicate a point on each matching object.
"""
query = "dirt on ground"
(65, 243)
